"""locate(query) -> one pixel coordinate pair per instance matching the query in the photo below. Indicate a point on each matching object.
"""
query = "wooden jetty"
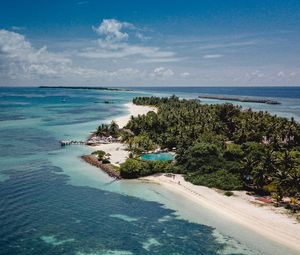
(64, 142)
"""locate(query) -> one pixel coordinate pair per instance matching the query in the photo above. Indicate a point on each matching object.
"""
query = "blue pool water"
(164, 156)
(51, 202)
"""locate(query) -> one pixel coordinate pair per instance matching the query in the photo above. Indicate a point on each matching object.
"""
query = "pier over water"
(65, 142)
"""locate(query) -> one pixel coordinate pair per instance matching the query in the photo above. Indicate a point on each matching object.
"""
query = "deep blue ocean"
(51, 202)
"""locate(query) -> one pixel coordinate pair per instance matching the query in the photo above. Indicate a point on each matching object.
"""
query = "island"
(80, 87)
(241, 99)
(243, 164)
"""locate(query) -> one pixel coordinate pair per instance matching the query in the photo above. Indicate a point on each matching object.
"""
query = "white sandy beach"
(134, 110)
(118, 151)
(266, 220)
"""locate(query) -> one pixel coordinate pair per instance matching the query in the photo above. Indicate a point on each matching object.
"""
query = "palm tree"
(103, 129)
(114, 128)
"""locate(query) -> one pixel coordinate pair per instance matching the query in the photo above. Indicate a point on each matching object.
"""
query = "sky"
(150, 43)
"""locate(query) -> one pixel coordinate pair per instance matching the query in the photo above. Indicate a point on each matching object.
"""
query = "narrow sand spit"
(265, 220)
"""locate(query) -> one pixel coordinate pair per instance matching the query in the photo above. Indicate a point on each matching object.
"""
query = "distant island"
(75, 87)
(241, 99)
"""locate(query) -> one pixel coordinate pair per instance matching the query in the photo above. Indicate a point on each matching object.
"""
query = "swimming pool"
(163, 156)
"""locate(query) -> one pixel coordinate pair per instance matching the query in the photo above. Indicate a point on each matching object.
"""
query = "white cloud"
(158, 60)
(111, 29)
(162, 72)
(142, 37)
(280, 74)
(121, 50)
(18, 54)
(114, 43)
(210, 46)
(286, 74)
(21, 60)
(255, 75)
(115, 59)
(212, 56)
(185, 74)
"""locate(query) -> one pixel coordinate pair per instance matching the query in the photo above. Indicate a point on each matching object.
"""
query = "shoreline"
(118, 150)
(134, 110)
(270, 222)
(266, 220)
(107, 168)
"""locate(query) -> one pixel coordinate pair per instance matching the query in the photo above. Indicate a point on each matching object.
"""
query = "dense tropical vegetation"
(111, 129)
(102, 156)
(222, 145)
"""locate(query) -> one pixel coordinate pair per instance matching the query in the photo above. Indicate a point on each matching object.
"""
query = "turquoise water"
(51, 202)
(164, 156)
